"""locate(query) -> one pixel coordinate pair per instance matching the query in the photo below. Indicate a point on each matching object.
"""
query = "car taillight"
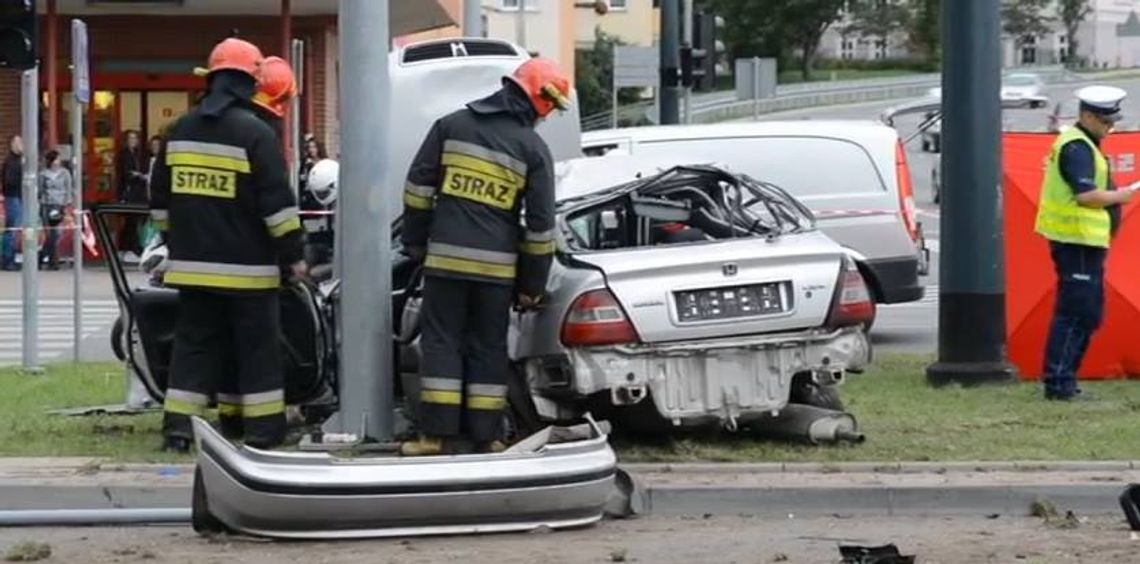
(852, 304)
(596, 318)
(906, 192)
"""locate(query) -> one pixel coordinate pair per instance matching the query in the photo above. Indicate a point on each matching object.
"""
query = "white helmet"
(154, 257)
(322, 181)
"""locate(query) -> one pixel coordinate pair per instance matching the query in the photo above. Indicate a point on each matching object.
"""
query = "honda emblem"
(729, 269)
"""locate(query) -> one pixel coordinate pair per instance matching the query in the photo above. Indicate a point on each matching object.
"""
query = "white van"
(431, 79)
(852, 174)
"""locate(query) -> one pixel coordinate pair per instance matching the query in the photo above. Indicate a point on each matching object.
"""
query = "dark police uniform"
(477, 170)
(1079, 238)
(220, 182)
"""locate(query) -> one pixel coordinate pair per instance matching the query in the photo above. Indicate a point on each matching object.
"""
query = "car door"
(147, 314)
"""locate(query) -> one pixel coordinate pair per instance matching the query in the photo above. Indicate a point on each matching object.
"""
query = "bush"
(916, 65)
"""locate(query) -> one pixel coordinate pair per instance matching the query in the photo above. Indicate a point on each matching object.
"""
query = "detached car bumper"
(720, 380)
(315, 495)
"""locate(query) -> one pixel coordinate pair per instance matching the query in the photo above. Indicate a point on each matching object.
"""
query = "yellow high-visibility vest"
(1059, 217)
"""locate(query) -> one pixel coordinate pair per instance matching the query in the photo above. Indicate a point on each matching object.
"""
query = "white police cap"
(1102, 100)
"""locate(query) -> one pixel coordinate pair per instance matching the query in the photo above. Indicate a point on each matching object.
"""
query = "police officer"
(477, 168)
(1079, 213)
(221, 195)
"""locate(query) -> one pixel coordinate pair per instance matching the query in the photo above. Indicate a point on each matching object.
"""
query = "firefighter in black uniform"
(221, 195)
(477, 170)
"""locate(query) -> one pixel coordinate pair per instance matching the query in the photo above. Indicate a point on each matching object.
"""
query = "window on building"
(881, 49)
(514, 4)
(1029, 50)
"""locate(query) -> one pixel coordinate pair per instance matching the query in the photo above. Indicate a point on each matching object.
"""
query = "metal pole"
(473, 18)
(755, 88)
(520, 25)
(77, 234)
(971, 309)
(670, 61)
(687, 41)
(76, 517)
(366, 318)
(298, 56)
(80, 90)
(31, 133)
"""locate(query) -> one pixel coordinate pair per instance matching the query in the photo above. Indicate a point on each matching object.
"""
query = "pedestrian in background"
(12, 178)
(314, 152)
(131, 174)
(55, 198)
(1079, 214)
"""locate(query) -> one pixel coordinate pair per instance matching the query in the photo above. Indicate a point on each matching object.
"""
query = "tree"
(803, 22)
(925, 31)
(1025, 19)
(1072, 13)
(877, 18)
(594, 76)
(776, 28)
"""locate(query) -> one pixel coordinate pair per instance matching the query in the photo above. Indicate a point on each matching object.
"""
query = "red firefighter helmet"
(545, 84)
(236, 54)
(278, 85)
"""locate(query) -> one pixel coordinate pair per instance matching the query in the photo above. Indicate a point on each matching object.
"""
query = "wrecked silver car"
(688, 297)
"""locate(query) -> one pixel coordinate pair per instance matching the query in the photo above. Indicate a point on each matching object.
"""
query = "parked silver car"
(687, 297)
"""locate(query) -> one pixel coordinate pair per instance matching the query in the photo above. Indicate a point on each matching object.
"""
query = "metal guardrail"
(720, 106)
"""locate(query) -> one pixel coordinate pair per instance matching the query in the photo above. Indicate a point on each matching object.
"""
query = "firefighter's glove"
(524, 302)
(417, 254)
(299, 271)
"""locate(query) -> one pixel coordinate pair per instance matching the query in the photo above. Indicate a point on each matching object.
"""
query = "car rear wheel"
(807, 392)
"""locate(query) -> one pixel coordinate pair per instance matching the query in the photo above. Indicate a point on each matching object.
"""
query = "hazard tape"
(853, 213)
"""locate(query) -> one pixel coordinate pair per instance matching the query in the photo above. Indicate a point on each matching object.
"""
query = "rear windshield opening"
(685, 206)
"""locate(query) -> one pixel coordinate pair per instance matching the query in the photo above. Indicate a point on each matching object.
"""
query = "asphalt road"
(913, 327)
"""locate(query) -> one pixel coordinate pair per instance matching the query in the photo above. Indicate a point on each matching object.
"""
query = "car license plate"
(732, 302)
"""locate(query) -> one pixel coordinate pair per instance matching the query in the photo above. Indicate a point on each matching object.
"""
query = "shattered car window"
(687, 204)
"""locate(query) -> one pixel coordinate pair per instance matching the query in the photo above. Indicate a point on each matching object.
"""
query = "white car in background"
(1014, 86)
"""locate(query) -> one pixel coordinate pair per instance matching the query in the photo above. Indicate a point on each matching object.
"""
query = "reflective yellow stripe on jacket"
(1059, 217)
(470, 261)
(482, 175)
(223, 276)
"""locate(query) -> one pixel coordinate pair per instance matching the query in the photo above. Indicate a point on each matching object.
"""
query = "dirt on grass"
(663, 540)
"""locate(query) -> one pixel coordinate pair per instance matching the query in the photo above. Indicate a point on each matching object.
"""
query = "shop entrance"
(145, 104)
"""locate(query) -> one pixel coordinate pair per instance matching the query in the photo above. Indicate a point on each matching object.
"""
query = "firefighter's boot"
(491, 447)
(423, 446)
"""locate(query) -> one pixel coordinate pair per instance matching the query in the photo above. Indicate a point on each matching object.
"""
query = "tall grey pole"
(298, 64)
(473, 18)
(687, 41)
(971, 309)
(30, 95)
(520, 25)
(670, 61)
(80, 93)
(366, 377)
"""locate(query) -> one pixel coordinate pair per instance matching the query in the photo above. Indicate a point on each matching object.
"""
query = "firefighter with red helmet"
(220, 193)
(476, 172)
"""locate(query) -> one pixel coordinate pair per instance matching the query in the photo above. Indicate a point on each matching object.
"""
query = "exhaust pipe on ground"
(814, 425)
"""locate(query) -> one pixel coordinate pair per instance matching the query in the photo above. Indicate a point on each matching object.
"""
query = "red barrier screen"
(1031, 282)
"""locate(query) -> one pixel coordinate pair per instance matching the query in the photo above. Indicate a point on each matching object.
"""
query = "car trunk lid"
(723, 288)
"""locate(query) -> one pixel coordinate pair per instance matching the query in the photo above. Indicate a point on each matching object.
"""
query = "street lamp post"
(971, 308)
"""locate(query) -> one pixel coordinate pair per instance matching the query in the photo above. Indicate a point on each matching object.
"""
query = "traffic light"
(18, 40)
(704, 59)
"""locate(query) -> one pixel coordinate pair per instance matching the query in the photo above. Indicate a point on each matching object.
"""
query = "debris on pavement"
(29, 551)
(887, 554)
(619, 555)
(1045, 509)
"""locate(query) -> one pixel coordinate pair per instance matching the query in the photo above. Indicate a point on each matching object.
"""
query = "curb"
(789, 502)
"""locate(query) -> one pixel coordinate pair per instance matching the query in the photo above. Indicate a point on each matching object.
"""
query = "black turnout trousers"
(227, 344)
(464, 371)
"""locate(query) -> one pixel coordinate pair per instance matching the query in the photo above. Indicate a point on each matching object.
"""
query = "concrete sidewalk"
(858, 489)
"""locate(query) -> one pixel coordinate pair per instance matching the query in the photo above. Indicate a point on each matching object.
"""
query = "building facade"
(142, 57)
(1108, 38)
